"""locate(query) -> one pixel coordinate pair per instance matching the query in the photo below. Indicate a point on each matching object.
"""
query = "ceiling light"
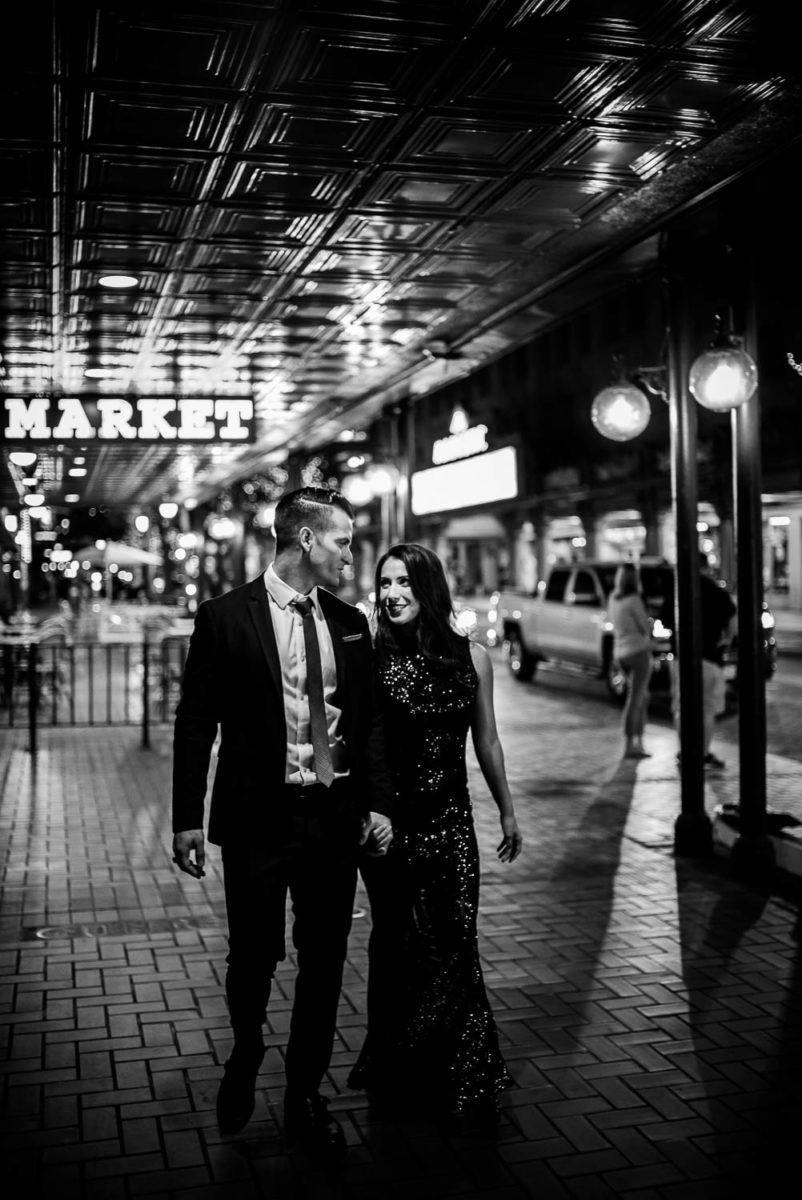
(168, 510)
(357, 489)
(118, 281)
(222, 529)
(22, 458)
(77, 471)
(97, 372)
(30, 481)
(72, 498)
(381, 479)
(35, 499)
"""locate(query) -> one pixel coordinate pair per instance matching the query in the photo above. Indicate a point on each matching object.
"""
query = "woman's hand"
(377, 834)
(511, 843)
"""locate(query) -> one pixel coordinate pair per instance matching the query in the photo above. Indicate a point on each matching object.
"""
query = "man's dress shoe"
(235, 1098)
(309, 1126)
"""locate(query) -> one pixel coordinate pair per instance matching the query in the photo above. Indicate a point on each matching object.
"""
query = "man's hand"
(184, 844)
(377, 834)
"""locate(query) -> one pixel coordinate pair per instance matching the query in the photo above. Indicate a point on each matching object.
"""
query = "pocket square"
(352, 637)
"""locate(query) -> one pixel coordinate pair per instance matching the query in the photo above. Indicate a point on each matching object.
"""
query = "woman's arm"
(490, 755)
(642, 616)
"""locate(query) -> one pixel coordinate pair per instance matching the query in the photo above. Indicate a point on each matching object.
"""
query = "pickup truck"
(565, 622)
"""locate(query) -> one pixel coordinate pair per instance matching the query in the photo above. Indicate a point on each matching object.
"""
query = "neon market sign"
(132, 419)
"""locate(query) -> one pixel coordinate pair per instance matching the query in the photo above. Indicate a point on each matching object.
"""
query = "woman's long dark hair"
(435, 636)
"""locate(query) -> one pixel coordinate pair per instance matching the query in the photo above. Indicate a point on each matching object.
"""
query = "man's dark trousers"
(309, 852)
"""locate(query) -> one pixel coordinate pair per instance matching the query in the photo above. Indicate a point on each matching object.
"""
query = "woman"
(430, 1027)
(632, 646)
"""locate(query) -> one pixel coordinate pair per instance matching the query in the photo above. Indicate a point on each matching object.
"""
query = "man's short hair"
(306, 506)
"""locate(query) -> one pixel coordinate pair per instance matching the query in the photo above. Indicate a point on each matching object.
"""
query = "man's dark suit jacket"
(232, 678)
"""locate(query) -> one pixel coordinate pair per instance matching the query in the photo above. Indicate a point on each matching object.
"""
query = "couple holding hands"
(341, 752)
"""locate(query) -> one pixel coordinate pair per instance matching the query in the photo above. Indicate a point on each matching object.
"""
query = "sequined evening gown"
(430, 1026)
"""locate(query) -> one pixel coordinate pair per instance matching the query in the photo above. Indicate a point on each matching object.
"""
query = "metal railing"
(51, 684)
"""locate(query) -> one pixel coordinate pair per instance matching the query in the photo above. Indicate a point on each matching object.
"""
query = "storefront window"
(565, 540)
(621, 535)
(777, 577)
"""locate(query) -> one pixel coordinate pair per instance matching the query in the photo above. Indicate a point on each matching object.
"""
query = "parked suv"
(565, 622)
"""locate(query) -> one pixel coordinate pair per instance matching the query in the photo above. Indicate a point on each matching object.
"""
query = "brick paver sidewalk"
(649, 1007)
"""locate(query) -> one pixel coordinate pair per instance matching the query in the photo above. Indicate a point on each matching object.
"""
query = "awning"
(480, 525)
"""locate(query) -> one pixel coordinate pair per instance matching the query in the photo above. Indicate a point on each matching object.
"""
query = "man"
(718, 614)
(300, 783)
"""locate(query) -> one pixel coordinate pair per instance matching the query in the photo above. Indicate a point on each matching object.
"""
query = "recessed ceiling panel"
(118, 217)
(152, 43)
(154, 121)
(145, 177)
(339, 135)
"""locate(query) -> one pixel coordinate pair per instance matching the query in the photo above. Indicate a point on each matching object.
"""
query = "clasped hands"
(377, 834)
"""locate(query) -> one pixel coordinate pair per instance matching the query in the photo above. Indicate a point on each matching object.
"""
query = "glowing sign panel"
(472, 440)
(129, 419)
(482, 479)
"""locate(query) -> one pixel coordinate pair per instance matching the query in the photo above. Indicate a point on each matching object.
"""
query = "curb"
(784, 831)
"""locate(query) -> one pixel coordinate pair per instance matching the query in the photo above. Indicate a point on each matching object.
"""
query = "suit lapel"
(259, 608)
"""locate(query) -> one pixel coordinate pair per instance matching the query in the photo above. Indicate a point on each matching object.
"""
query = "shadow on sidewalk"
(746, 1084)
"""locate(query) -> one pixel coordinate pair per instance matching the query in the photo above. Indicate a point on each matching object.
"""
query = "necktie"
(314, 690)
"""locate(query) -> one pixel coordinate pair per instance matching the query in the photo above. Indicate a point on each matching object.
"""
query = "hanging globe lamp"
(723, 378)
(620, 412)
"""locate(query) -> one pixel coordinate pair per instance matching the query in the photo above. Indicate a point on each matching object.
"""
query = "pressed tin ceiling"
(320, 203)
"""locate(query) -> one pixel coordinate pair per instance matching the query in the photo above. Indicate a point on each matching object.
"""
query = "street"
(557, 691)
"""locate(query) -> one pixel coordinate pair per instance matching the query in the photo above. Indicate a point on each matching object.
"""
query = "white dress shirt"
(288, 628)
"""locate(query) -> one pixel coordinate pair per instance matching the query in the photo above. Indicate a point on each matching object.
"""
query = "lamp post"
(722, 378)
(753, 852)
(693, 834)
(382, 479)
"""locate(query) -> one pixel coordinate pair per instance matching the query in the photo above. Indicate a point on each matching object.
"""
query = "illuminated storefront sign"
(472, 440)
(482, 479)
(128, 419)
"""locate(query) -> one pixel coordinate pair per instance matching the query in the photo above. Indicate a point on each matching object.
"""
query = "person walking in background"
(431, 1032)
(284, 670)
(718, 616)
(632, 647)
